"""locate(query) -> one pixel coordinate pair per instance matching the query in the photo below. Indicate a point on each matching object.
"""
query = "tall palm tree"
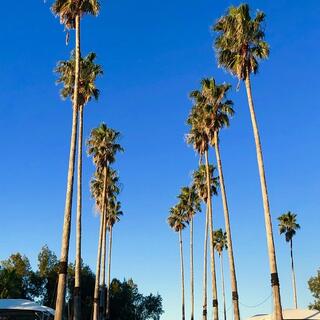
(87, 90)
(114, 214)
(240, 45)
(70, 12)
(288, 226)
(112, 190)
(199, 138)
(200, 184)
(217, 109)
(220, 243)
(102, 146)
(177, 221)
(190, 205)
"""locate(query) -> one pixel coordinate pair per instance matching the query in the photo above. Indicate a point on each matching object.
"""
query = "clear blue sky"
(153, 54)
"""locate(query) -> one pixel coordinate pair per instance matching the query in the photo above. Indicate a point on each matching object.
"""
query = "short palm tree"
(220, 243)
(114, 214)
(177, 221)
(190, 204)
(240, 45)
(87, 90)
(200, 184)
(288, 226)
(215, 106)
(70, 12)
(102, 146)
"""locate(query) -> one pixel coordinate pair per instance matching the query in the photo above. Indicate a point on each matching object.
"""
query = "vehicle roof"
(23, 304)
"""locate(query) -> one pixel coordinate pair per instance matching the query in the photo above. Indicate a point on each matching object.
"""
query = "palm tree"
(200, 139)
(112, 190)
(87, 90)
(177, 221)
(190, 205)
(102, 146)
(288, 226)
(70, 12)
(240, 45)
(113, 217)
(200, 184)
(220, 243)
(217, 109)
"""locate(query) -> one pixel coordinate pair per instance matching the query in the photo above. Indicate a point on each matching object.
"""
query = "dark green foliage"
(314, 286)
(126, 303)
(87, 287)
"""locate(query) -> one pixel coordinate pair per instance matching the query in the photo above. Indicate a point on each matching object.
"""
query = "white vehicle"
(20, 309)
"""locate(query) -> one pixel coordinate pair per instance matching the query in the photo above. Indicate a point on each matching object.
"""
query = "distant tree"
(220, 243)
(288, 226)
(190, 205)
(17, 280)
(48, 269)
(86, 299)
(314, 286)
(11, 285)
(177, 222)
(126, 303)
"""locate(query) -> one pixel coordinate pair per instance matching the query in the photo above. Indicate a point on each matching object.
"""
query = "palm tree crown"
(288, 225)
(114, 212)
(220, 242)
(189, 201)
(240, 42)
(177, 218)
(210, 113)
(89, 72)
(67, 10)
(200, 182)
(103, 145)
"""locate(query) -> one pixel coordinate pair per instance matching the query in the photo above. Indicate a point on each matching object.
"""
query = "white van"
(20, 309)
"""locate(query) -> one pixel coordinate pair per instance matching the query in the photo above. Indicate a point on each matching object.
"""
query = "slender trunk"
(293, 277)
(103, 268)
(61, 290)
(77, 276)
(223, 287)
(205, 268)
(191, 269)
(268, 223)
(182, 275)
(109, 273)
(233, 278)
(102, 221)
(212, 260)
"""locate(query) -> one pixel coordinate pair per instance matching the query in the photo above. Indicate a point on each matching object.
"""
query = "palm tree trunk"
(268, 223)
(212, 260)
(223, 287)
(182, 275)
(205, 268)
(61, 290)
(102, 221)
(191, 269)
(233, 278)
(109, 273)
(77, 276)
(103, 269)
(293, 277)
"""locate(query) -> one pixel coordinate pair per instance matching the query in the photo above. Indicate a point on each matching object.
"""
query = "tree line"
(239, 46)
(18, 280)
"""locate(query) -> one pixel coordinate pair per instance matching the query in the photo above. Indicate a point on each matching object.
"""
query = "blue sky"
(153, 54)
